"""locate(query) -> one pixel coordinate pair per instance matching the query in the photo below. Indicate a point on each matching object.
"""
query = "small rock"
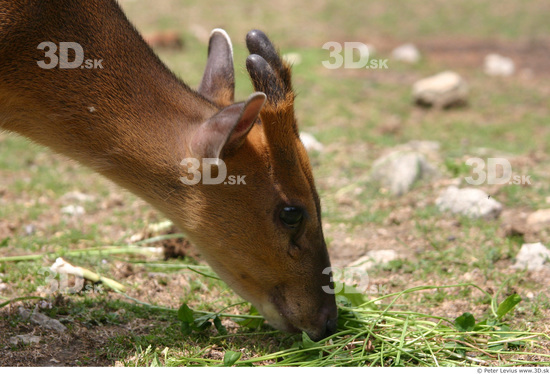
(47, 322)
(532, 256)
(470, 202)
(24, 313)
(25, 339)
(3, 286)
(497, 65)
(442, 90)
(373, 258)
(42, 320)
(406, 53)
(73, 210)
(539, 220)
(399, 170)
(310, 143)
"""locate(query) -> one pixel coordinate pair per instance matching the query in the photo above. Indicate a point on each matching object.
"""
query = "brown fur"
(132, 121)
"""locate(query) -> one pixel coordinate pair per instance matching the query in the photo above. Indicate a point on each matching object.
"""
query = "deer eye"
(291, 216)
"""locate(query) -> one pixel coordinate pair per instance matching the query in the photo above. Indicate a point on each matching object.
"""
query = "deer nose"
(329, 318)
(331, 325)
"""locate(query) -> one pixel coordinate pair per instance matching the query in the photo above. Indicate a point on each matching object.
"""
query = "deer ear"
(218, 81)
(227, 129)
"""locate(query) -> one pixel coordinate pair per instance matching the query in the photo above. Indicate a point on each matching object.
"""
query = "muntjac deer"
(130, 119)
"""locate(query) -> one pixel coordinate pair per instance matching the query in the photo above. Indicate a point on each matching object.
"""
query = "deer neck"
(128, 118)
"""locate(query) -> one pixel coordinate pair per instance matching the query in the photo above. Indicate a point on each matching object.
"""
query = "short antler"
(269, 73)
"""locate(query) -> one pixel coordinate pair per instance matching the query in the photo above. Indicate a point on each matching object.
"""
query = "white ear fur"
(226, 36)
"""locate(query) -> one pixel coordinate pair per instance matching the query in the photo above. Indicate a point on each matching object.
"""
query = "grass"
(380, 331)
(408, 315)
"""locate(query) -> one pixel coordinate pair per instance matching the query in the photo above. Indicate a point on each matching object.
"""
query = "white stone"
(399, 170)
(532, 256)
(406, 53)
(497, 65)
(42, 320)
(73, 210)
(441, 90)
(25, 339)
(470, 202)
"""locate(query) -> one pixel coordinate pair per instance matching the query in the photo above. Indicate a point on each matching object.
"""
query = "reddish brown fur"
(132, 121)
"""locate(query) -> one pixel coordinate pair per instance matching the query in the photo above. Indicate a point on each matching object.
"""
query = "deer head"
(269, 243)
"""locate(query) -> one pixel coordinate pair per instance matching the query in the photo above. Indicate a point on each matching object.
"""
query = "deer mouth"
(317, 323)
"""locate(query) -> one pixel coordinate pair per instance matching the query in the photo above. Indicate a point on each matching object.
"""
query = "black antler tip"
(256, 36)
(257, 63)
(257, 42)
